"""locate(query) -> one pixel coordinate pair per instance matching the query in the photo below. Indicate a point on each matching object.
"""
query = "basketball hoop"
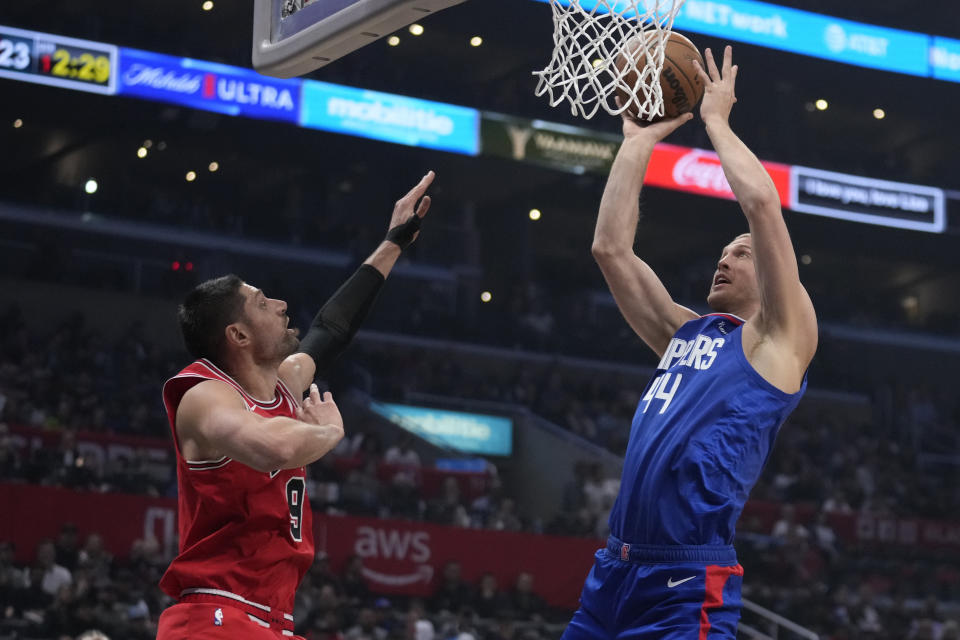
(589, 36)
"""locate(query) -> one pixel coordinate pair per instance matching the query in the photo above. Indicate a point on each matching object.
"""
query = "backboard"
(293, 37)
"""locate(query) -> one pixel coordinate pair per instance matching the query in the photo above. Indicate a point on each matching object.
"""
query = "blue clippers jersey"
(700, 437)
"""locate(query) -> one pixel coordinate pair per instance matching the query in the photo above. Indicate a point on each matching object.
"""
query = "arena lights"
(176, 265)
(91, 186)
(476, 41)
(17, 123)
(596, 63)
(535, 214)
(879, 114)
(416, 29)
(207, 5)
(147, 143)
(213, 166)
(191, 176)
(821, 104)
(393, 41)
(142, 152)
(486, 296)
(806, 259)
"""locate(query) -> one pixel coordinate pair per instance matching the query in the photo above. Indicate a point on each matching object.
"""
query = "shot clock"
(58, 61)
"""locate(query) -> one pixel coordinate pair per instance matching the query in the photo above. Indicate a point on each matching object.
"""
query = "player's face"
(734, 288)
(268, 322)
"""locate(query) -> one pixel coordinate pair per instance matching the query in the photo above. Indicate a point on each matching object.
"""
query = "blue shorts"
(659, 593)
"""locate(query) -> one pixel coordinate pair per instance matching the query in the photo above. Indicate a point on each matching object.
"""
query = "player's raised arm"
(213, 418)
(643, 300)
(786, 312)
(341, 316)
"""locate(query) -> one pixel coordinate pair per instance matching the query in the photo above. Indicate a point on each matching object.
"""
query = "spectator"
(448, 508)
(366, 627)
(786, 528)
(94, 558)
(355, 588)
(489, 601)
(52, 575)
(452, 593)
(67, 552)
(505, 517)
(524, 603)
(419, 626)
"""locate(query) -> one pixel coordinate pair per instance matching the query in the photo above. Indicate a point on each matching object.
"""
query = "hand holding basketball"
(315, 410)
(719, 95)
(655, 132)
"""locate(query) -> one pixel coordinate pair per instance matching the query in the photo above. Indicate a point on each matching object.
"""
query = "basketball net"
(588, 37)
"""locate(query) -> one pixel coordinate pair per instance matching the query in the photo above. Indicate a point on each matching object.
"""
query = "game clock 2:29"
(57, 60)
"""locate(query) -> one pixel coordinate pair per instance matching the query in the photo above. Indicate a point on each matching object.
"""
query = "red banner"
(98, 447)
(699, 171)
(399, 556)
(407, 557)
(403, 557)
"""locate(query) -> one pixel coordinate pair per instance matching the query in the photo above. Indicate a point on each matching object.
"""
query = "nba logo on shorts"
(625, 552)
(218, 618)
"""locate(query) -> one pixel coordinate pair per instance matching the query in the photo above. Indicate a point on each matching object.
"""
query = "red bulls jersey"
(245, 535)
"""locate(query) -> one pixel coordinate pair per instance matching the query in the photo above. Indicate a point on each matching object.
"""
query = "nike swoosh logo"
(671, 583)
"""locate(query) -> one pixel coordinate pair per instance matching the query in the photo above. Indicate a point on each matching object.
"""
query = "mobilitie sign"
(389, 117)
(467, 432)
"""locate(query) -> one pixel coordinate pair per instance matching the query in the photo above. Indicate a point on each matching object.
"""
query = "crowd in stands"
(74, 585)
(826, 462)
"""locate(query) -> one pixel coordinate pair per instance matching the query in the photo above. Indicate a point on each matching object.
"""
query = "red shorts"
(203, 621)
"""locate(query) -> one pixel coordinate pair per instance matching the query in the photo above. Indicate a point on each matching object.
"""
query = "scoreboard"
(70, 63)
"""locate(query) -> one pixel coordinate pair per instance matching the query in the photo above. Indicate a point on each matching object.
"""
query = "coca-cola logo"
(703, 171)
(160, 78)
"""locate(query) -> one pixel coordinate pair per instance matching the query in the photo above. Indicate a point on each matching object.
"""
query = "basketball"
(682, 88)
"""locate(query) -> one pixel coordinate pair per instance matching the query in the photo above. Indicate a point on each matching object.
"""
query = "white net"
(588, 38)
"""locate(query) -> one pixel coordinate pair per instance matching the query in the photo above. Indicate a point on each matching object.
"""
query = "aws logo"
(393, 557)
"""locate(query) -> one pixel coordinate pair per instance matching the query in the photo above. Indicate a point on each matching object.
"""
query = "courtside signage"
(548, 144)
(803, 32)
(699, 171)
(881, 202)
(945, 59)
(808, 33)
(467, 432)
(207, 85)
(389, 117)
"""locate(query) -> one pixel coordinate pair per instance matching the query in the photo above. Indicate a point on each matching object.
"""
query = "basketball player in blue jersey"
(709, 417)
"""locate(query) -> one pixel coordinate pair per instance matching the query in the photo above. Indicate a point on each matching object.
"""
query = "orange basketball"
(682, 88)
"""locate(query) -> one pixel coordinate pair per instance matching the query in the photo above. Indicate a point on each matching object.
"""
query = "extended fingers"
(704, 78)
(712, 66)
(727, 61)
(424, 206)
(421, 187)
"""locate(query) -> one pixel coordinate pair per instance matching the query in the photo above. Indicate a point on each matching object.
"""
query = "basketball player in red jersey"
(243, 437)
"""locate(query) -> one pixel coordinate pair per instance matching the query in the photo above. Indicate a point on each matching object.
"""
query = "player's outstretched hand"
(408, 213)
(719, 95)
(319, 411)
(657, 131)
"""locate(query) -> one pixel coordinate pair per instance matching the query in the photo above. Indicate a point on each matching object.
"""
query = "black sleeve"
(340, 318)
